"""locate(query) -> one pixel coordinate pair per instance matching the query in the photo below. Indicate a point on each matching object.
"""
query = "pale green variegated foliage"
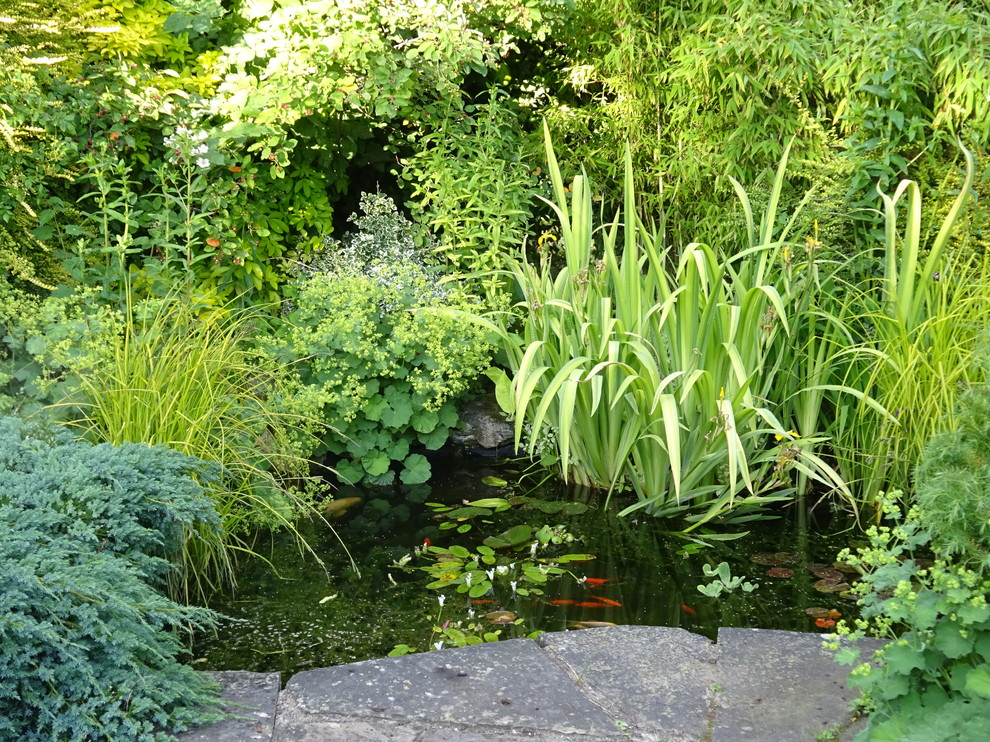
(654, 370)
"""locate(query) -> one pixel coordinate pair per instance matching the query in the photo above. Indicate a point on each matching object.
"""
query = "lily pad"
(516, 535)
(831, 586)
(827, 573)
(776, 559)
(843, 567)
(780, 572)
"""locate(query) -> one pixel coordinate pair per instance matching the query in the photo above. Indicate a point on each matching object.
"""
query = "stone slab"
(779, 686)
(250, 698)
(511, 686)
(656, 679)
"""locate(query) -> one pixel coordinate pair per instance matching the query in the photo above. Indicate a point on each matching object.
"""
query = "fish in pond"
(596, 581)
(688, 609)
(501, 617)
(589, 624)
(606, 601)
(589, 604)
(337, 508)
(562, 602)
(481, 601)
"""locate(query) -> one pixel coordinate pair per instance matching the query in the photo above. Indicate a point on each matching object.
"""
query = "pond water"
(298, 615)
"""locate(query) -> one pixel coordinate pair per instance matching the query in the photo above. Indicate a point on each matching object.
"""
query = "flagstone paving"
(639, 683)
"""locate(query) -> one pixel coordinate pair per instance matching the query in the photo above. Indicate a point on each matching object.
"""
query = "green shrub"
(45, 341)
(381, 367)
(953, 482)
(931, 683)
(88, 644)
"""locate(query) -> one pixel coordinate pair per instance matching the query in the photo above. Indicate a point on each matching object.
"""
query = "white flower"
(533, 548)
(502, 569)
(441, 599)
(490, 573)
(467, 579)
(201, 135)
(513, 586)
(438, 645)
(203, 162)
(200, 149)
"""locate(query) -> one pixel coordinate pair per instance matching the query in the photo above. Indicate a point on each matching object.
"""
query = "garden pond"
(290, 614)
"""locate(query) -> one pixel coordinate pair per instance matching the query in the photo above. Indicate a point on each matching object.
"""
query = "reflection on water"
(298, 616)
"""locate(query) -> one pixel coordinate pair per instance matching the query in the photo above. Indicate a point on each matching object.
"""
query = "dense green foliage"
(88, 643)
(783, 306)
(932, 682)
(378, 363)
(708, 89)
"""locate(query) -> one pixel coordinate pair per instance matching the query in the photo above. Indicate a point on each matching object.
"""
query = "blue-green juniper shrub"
(88, 642)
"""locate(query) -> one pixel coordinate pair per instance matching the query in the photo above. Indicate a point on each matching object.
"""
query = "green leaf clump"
(379, 356)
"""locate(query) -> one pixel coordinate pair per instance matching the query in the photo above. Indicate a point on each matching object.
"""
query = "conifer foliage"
(88, 643)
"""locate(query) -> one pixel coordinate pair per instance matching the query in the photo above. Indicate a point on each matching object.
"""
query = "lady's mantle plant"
(378, 352)
(87, 642)
(932, 683)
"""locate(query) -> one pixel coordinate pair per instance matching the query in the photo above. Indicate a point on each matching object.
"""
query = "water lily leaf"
(467, 512)
(497, 503)
(831, 586)
(513, 537)
(574, 558)
(827, 573)
(843, 567)
(780, 572)
(776, 559)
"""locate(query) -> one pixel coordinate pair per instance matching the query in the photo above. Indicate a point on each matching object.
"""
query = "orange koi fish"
(606, 601)
(480, 601)
(824, 623)
(688, 609)
(427, 542)
(562, 602)
(596, 581)
(588, 604)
